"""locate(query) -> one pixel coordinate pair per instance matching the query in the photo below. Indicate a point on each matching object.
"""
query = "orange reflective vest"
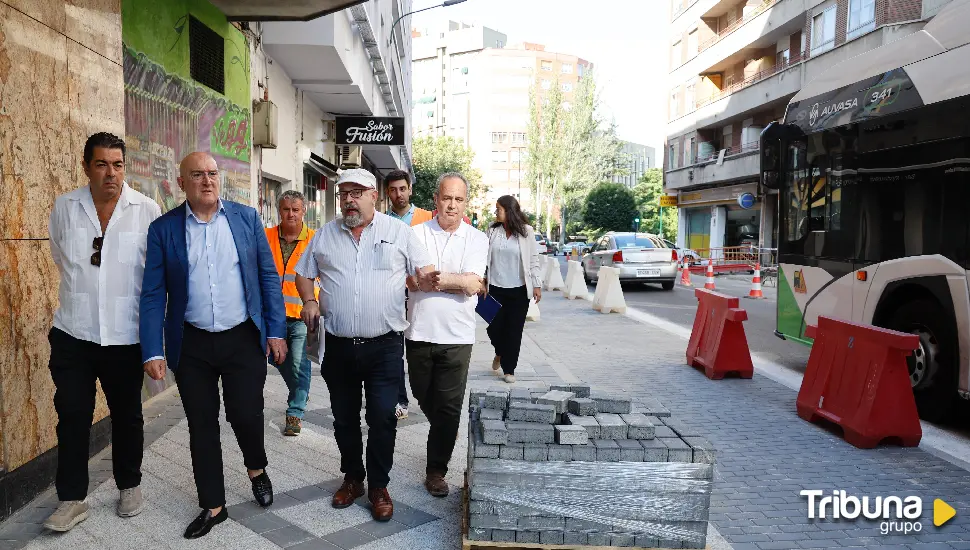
(420, 216)
(294, 305)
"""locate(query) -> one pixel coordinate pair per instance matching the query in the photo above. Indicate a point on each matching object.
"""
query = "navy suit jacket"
(165, 289)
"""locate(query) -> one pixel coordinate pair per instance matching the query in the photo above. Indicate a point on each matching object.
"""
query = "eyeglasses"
(198, 175)
(355, 193)
(96, 257)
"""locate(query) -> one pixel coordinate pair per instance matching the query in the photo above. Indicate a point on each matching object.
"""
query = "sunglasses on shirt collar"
(96, 257)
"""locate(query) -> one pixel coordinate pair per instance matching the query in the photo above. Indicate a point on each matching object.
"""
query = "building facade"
(734, 65)
(634, 161)
(470, 85)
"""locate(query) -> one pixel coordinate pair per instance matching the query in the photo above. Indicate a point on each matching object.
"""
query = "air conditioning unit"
(348, 156)
(265, 124)
(329, 131)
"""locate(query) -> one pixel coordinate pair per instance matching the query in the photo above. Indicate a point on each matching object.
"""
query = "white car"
(640, 257)
(686, 254)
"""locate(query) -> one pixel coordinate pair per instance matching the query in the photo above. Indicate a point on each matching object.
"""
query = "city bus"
(872, 167)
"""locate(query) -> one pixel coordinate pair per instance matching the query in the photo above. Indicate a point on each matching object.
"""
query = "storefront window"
(312, 184)
(269, 209)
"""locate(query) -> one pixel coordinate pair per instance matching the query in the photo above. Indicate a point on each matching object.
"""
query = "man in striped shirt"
(362, 261)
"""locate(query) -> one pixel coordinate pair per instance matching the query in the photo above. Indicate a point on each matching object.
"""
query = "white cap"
(358, 176)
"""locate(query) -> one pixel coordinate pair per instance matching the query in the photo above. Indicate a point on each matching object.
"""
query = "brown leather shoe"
(350, 491)
(381, 507)
(436, 485)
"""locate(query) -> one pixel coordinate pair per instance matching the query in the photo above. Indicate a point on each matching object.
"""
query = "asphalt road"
(679, 305)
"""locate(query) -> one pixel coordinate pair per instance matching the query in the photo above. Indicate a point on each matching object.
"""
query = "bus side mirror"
(770, 163)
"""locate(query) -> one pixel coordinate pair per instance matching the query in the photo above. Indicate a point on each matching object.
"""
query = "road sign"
(668, 200)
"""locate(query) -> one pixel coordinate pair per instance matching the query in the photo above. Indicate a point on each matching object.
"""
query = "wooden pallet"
(486, 545)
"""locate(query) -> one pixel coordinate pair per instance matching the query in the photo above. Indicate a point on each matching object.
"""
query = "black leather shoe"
(263, 490)
(201, 525)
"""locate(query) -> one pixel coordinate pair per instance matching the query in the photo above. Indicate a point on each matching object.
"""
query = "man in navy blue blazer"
(211, 288)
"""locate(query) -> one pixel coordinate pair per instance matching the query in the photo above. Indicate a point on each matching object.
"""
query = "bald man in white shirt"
(98, 237)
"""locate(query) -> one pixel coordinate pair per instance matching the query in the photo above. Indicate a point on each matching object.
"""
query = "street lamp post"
(444, 4)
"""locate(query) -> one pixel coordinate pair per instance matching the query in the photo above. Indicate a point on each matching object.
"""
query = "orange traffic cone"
(685, 275)
(756, 283)
(709, 284)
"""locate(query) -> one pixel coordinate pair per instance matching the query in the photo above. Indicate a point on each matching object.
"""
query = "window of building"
(689, 100)
(692, 43)
(500, 137)
(313, 188)
(675, 57)
(689, 152)
(674, 111)
(518, 137)
(580, 70)
(567, 68)
(672, 156)
(567, 87)
(546, 65)
(823, 30)
(500, 157)
(269, 209)
(862, 17)
(782, 57)
(207, 56)
(545, 84)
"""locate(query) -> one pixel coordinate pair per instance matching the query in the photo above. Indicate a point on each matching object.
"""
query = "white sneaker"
(401, 411)
(67, 515)
(131, 502)
(509, 378)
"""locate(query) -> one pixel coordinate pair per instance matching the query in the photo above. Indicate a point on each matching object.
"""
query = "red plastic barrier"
(717, 341)
(857, 378)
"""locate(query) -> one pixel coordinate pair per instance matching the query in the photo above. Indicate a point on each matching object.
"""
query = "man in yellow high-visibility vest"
(288, 241)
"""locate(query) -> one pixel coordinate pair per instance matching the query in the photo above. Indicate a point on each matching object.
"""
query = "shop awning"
(280, 10)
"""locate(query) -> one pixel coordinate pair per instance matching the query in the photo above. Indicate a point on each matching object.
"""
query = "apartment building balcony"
(274, 10)
(739, 163)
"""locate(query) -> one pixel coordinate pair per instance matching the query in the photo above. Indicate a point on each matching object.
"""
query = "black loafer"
(201, 525)
(263, 489)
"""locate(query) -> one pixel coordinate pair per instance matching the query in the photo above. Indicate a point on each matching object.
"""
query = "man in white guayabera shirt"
(441, 327)
(98, 235)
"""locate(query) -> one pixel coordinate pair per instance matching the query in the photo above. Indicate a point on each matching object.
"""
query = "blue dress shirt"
(217, 299)
(406, 218)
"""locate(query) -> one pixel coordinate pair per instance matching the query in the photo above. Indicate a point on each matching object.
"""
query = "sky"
(626, 40)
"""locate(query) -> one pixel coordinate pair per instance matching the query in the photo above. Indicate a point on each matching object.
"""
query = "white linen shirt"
(507, 261)
(441, 317)
(362, 283)
(100, 304)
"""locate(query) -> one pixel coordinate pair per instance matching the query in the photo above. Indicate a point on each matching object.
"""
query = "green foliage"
(647, 195)
(434, 156)
(610, 207)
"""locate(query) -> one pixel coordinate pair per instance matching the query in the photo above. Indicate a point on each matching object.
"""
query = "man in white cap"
(362, 262)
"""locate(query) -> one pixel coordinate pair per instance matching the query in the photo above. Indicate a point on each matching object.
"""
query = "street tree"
(647, 195)
(610, 207)
(435, 155)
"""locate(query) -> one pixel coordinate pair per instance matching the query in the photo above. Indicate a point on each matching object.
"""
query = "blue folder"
(487, 308)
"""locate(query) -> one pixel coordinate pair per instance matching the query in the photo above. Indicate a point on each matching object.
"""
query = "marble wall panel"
(95, 24)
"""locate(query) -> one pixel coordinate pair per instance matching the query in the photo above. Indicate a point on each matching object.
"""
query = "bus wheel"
(931, 366)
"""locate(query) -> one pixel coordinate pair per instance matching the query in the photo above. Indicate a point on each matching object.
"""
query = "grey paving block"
(520, 395)
(581, 406)
(535, 452)
(381, 529)
(612, 404)
(412, 517)
(606, 451)
(640, 427)
(495, 432)
(664, 432)
(598, 539)
(479, 534)
(703, 450)
(585, 453)
(630, 450)
(574, 537)
(653, 407)
(680, 428)
(245, 510)
(531, 412)
(579, 390)
(588, 422)
(491, 414)
(557, 399)
(530, 432)
(288, 536)
(576, 524)
(307, 494)
(560, 453)
(503, 535)
(527, 536)
(263, 523)
(536, 523)
(511, 452)
(315, 544)
(611, 426)
(678, 450)
(551, 537)
(496, 400)
(621, 539)
(570, 434)
(654, 450)
(492, 521)
(646, 541)
(349, 538)
(483, 450)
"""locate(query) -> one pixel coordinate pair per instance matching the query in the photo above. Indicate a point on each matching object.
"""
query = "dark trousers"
(75, 365)
(438, 376)
(375, 362)
(236, 356)
(505, 331)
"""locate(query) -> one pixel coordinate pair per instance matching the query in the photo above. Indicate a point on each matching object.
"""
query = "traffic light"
(637, 220)
(475, 219)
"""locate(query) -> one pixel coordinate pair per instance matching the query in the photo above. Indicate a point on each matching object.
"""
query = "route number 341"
(881, 95)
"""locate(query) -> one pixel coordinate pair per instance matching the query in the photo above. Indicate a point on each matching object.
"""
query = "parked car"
(568, 248)
(541, 243)
(640, 257)
(686, 254)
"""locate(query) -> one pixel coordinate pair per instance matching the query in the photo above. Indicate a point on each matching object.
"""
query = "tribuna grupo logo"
(896, 514)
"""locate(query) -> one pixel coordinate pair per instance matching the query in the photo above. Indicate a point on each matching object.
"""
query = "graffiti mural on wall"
(168, 117)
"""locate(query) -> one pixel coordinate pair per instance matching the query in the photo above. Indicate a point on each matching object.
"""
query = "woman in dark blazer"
(513, 278)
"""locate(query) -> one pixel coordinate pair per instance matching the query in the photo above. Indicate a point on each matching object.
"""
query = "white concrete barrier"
(575, 283)
(609, 295)
(552, 275)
